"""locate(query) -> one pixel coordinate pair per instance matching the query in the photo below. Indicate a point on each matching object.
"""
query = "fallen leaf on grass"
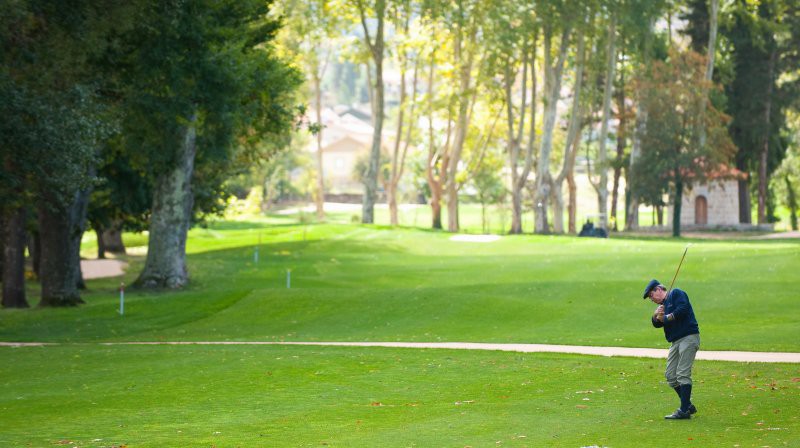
(582, 406)
(376, 403)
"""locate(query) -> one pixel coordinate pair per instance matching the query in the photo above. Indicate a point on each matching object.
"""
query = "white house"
(346, 138)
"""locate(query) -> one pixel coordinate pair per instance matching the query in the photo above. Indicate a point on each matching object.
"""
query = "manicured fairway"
(355, 283)
(365, 283)
(228, 396)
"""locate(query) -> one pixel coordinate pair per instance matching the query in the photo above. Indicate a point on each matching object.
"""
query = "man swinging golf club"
(675, 315)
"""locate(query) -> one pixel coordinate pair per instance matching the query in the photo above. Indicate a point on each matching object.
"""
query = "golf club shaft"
(678, 270)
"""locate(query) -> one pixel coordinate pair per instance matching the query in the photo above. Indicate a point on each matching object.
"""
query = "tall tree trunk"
(35, 249)
(519, 179)
(552, 89)
(745, 210)
(763, 180)
(436, 208)
(621, 140)
(165, 266)
(319, 198)
(632, 215)
(712, 39)
(112, 238)
(462, 124)
(572, 205)
(571, 146)
(109, 239)
(434, 181)
(376, 51)
(101, 244)
(640, 126)
(13, 234)
(709, 73)
(61, 230)
(791, 202)
(602, 156)
(676, 208)
(391, 193)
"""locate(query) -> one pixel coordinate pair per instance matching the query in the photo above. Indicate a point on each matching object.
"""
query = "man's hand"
(659, 314)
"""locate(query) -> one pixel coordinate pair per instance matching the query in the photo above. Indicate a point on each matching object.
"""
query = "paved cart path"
(710, 355)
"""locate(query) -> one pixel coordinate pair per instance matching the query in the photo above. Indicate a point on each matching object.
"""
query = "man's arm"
(656, 323)
(681, 306)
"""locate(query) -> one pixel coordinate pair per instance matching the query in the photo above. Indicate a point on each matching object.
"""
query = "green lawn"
(354, 283)
(229, 396)
(371, 283)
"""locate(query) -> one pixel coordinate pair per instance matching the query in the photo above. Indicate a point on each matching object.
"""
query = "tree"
(438, 153)
(202, 84)
(671, 160)
(409, 47)
(513, 48)
(576, 121)
(375, 44)
(763, 39)
(311, 31)
(52, 123)
(552, 87)
(602, 156)
(466, 21)
(455, 70)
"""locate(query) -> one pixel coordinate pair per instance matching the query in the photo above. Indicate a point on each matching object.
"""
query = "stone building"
(714, 204)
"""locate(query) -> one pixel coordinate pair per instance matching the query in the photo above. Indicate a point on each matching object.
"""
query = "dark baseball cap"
(652, 284)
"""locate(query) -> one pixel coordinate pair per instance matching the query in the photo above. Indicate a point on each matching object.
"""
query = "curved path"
(709, 355)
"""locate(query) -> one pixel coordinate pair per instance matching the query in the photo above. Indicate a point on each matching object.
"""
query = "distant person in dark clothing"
(675, 315)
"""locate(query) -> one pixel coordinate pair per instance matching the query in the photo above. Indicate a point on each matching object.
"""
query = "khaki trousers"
(680, 360)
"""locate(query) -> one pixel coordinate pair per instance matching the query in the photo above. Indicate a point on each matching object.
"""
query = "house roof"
(342, 123)
(721, 171)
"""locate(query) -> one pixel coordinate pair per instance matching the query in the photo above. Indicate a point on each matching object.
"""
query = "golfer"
(675, 315)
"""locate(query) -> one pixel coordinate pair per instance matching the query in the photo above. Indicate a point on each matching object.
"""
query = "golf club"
(678, 270)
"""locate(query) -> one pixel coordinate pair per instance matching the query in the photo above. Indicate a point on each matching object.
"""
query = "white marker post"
(122, 299)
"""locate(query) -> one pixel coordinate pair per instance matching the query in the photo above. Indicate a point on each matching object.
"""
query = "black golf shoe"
(679, 415)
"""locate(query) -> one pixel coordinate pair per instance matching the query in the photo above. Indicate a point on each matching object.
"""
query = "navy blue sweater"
(683, 322)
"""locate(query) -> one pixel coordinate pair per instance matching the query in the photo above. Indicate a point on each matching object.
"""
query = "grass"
(309, 396)
(354, 283)
(372, 283)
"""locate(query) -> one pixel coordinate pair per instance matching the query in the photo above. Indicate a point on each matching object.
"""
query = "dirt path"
(784, 357)
(102, 268)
